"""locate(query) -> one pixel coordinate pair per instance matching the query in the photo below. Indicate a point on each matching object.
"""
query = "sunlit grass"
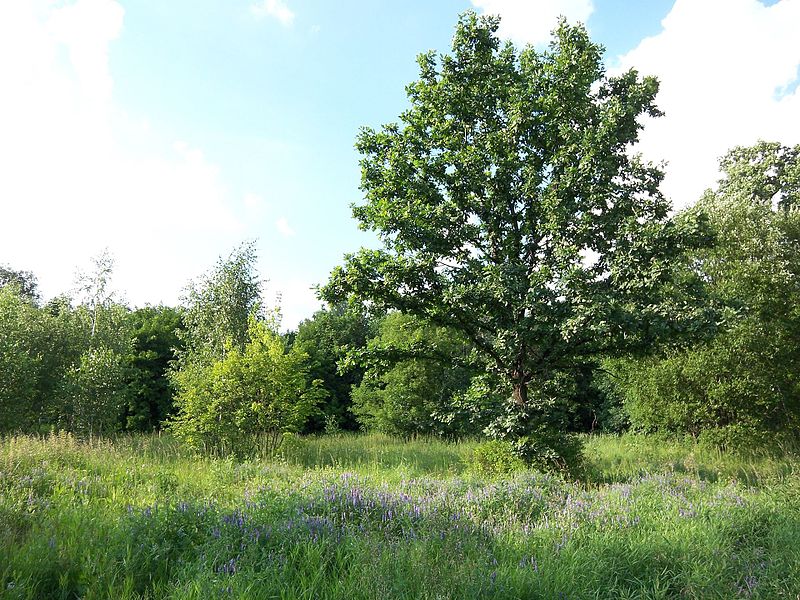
(377, 517)
(619, 458)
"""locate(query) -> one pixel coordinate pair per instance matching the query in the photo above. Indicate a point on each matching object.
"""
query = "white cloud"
(86, 28)
(531, 21)
(284, 228)
(727, 69)
(277, 9)
(79, 175)
(254, 205)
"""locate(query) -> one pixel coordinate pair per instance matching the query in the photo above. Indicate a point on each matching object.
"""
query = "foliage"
(766, 174)
(406, 393)
(609, 414)
(589, 401)
(332, 425)
(230, 382)
(534, 436)
(24, 350)
(94, 287)
(219, 305)
(511, 209)
(155, 343)
(327, 337)
(93, 391)
(260, 389)
(496, 457)
(740, 388)
(25, 282)
(53, 371)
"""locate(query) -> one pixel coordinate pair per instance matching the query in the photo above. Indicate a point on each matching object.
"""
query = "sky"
(171, 132)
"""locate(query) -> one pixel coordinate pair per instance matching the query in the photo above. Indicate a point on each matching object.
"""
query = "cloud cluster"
(80, 175)
(275, 9)
(729, 72)
(531, 21)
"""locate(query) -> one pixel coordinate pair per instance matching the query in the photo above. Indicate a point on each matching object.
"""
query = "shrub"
(538, 431)
(552, 451)
(261, 389)
(495, 457)
(413, 381)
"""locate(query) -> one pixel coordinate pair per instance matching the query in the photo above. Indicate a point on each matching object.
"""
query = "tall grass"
(621, 458)
(376, 517)
(377, 453)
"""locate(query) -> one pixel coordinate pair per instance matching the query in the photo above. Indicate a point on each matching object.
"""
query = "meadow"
(376, 517)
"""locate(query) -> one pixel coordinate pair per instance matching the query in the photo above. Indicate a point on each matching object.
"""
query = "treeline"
(88, 365)
(216, 370)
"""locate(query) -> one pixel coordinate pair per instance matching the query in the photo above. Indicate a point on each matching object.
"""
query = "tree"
(259, 389)
(235, 377)
(156, 343)
(94, 391)
(23, 352)
(766, 174)
(54, 372)
(25, 281)
(326, 338)
(405, 394)
(741, 387)
(94, 287)
(511, 209)
(219, 306)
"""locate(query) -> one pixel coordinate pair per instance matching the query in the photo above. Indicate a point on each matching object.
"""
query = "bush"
(538, 431)
(736, 390)
(495, 458)
(414, 380)
(261, 390)
(552, 451)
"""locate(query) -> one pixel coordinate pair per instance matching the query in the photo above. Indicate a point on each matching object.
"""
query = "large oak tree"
(511, 208)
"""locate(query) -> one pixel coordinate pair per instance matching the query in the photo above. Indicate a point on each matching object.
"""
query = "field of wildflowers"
(372, 517)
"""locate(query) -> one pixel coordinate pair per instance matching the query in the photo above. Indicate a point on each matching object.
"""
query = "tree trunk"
(520, 393)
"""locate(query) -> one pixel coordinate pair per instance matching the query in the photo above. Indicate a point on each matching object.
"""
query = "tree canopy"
(220, 303)
(25, 281)
(326, 338)
(740, 386)
(511, 208)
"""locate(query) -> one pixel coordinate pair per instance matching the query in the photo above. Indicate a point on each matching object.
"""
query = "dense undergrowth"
(377, 517)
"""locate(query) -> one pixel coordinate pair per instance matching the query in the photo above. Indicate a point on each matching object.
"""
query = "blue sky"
(169, 132)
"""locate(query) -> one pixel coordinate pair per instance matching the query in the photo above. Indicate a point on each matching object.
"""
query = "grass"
(625, 457)
(374, 517)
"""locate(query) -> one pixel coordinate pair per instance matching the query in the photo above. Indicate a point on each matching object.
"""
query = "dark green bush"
(414, 381)
(740, 388)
